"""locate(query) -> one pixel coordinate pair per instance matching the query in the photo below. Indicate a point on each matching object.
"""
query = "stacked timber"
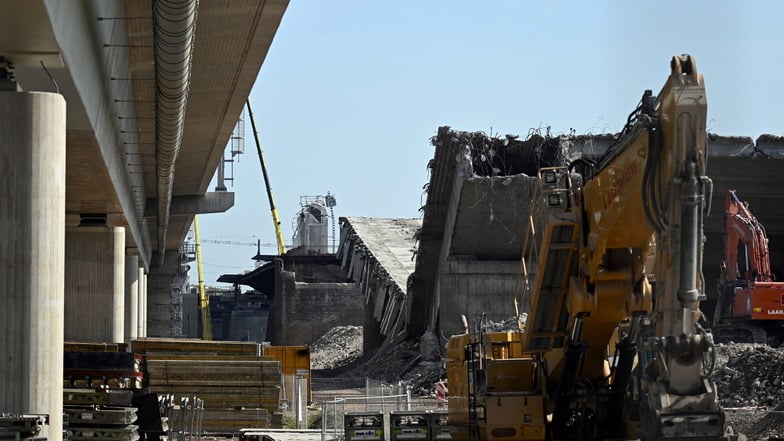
(239, 387)
(220, 383)
(193, 346)
(95, 347)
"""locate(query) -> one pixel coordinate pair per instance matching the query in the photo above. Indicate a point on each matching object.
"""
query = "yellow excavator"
(612, 346)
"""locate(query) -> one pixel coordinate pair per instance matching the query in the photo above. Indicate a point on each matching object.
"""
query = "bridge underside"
(122, 169)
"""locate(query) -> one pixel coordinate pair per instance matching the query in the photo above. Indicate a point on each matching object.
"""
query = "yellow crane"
(275, 217)
(204, 300)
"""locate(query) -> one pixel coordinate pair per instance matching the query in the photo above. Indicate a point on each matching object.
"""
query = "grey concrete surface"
(378, 254)
(131, 319)
(390, 242)
(141, 316)
(32, 244)
(301, 312)
(143, 300)
(95, 284)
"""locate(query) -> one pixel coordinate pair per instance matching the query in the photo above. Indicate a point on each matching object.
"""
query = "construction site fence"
(379, 397)
(294, 393)
(184, 418)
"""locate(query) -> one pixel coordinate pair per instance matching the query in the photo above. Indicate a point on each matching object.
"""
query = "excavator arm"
(741, 227)
(679, 400)
(601, 221)
(750, 304)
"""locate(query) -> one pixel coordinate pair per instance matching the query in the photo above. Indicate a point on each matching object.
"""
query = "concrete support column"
(32, 225)
(95, 284)
(131, 297)
(141, 295)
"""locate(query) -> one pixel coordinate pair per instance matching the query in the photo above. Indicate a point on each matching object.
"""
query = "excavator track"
(739, 332)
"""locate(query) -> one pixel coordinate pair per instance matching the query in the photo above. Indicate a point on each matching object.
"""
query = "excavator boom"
(613, 322)
(742, 227)
(646, 195)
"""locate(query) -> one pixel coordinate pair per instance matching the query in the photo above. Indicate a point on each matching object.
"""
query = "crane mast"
(204, 300)
(273, 209)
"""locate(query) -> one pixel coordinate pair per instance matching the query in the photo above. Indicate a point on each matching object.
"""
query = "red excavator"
(750, 306)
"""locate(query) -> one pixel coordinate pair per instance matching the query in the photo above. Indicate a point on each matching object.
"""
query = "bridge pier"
(32, 216)
(95, 284)
(131, 297)
(142, 329)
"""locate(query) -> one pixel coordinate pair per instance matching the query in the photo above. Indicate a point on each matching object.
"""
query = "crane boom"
(204, 300)
(275, 217)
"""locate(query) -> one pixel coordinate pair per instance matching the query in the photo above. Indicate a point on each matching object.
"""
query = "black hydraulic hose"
(626, 350)
(573, 355)
(650, 197)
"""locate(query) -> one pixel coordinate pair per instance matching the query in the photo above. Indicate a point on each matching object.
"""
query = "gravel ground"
(749, 381)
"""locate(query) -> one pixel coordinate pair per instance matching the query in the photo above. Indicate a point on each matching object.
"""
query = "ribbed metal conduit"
(174, 25)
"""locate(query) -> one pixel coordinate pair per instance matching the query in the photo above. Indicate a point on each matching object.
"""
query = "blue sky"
(351, 92)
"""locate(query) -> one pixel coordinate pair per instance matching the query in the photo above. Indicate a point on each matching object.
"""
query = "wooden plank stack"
(239, 387)
(193, 346)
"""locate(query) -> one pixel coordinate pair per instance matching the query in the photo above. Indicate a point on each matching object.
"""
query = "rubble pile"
(339, 347)
(750, 383)
(749, 375)
(405, 363)
(340, 351)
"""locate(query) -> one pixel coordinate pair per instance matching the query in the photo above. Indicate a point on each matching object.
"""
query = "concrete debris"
(749, 379)
(404, 363)
(493, 156)
(339, 347)
(429, 346)
(340, 351)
